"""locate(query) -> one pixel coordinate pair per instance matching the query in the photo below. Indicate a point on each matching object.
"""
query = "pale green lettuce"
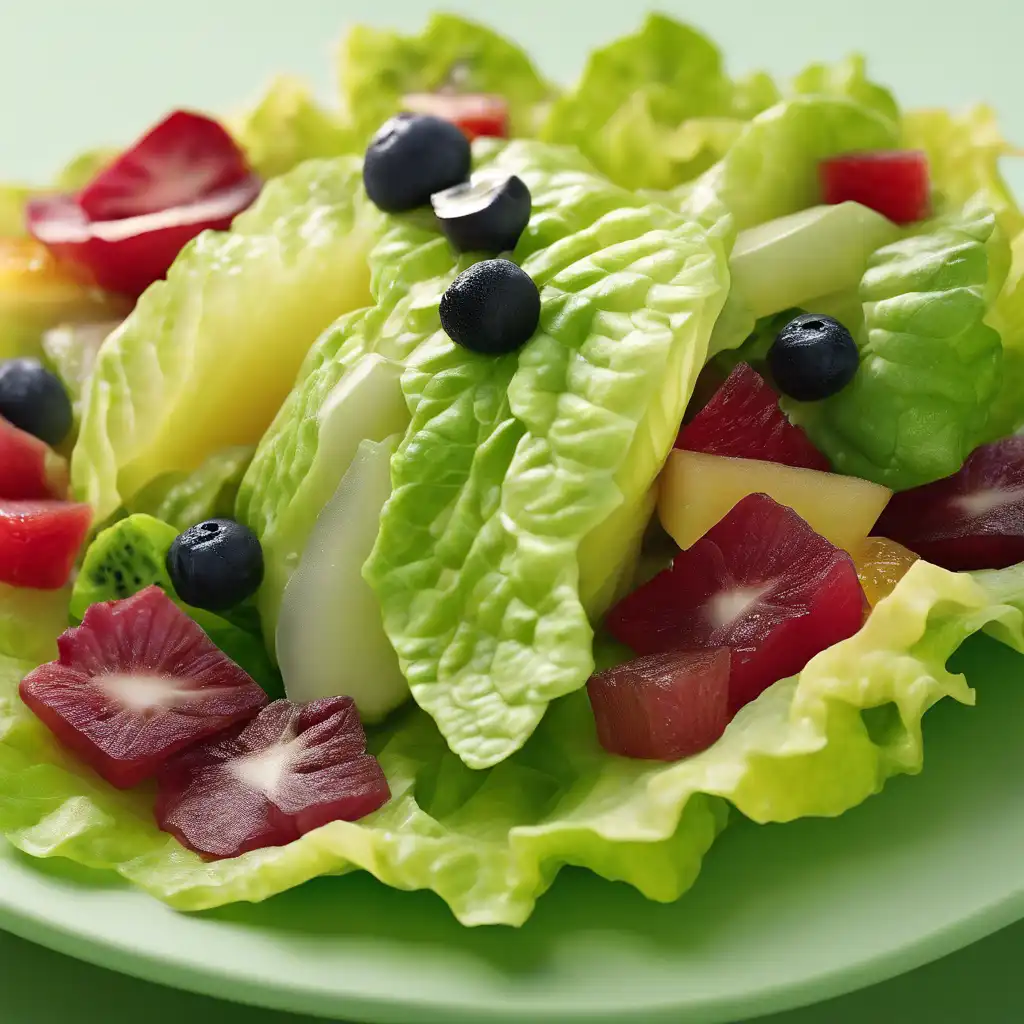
(847, 79)
(490, 843)
(207, 356)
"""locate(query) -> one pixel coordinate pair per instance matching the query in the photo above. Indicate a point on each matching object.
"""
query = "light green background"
(78, 73)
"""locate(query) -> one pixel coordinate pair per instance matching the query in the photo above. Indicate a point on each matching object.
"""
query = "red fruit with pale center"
(663, 706)
(290, 770)
(971, 520)
(137, 682)
(29, 468)
(477, 114)
(743, 420)
(893, 182)
(39, 541)
(760, 582)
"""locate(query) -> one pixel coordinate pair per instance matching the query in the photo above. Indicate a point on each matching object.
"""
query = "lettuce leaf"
(207, 356)
(379, 67)
(31, 621)
(848, 79)
(1006, 415)
(929, 364)
(490, 843)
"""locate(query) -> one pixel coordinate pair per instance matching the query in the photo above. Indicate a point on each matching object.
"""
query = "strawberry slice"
(29, 468)
(971, 520)
(182, 158)
(893, 182)
(135, 683)
(290, 770)
(760, 582)
(477, 114)
(664, 706)
(743, 420)
(39, 541)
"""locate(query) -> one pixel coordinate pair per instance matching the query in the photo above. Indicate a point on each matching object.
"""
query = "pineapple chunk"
(881, 564)
(697, 490)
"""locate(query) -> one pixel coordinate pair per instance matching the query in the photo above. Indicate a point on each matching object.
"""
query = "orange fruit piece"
(881, 564)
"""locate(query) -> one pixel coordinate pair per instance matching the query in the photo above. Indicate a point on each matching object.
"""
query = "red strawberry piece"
(290, 770)
(893, 182)
(39, 541)
(182, 158)
(29, 468)
(760, 582)
(477, 114)
(663, 706)
(971, 520)
(743, 420)
(137, 682)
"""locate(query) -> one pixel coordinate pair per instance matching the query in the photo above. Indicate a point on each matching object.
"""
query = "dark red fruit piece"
(477, 114)
(971, 520)
(893, 182)
(137, 682)
(743, 420)
(184, 157)
(662, 706)
(290, 770)
(29, 468)
(39, 541)
(760, 582)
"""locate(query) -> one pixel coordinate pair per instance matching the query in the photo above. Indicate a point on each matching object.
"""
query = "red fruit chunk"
(182, 158)
(29, 468)
(663, 706)
(893, 182)
(477, 114)
(137, 682)
(743, 420)
(39, 541)
(290, 770)
(971, 520)
(760, 582)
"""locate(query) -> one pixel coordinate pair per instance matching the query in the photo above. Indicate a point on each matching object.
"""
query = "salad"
(487, 476)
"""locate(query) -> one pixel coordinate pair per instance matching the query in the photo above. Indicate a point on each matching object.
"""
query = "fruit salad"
(483, 475)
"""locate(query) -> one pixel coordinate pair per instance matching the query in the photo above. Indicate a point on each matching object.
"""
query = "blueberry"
(487, 214)
(493, 307)
(34, 400)
(411, 157)
(215, 564)
(813, 357)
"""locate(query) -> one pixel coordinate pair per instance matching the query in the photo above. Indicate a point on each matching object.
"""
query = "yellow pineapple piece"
(881, 564)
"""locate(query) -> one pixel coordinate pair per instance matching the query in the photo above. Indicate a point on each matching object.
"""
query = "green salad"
(476, 475)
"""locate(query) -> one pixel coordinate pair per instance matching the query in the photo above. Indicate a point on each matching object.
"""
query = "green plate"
(782, 915)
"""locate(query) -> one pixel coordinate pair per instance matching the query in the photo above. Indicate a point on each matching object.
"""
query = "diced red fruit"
(477, 114)
(39, 541)
(743, 420)
(663, 706)
(183, 157)
(29, 468)
(290, 770)
(137, 682)
(760, 582)
(893, 182)
(971, 520)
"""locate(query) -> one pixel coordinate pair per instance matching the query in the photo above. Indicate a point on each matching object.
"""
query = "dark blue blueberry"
(487, 214)
(492, 308)
(411, 157)
(813, 357)
(34, 400)
(215, 564)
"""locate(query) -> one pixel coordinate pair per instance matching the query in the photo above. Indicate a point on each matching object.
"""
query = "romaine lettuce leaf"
(490, 843)
(379, 67)
(1006, 415)
(207, 356)
(929, 364)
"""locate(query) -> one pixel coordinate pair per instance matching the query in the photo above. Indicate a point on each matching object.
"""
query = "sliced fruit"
(881, 564)
(292, 769)
(29, 468)
(135, 683)
(892, 181)
(971, 520)
(743, 420)
(477, 114)
(330, 638)
(761, 583)
(697, 491)
(791, 260)
(663, 706)
(39, 541)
